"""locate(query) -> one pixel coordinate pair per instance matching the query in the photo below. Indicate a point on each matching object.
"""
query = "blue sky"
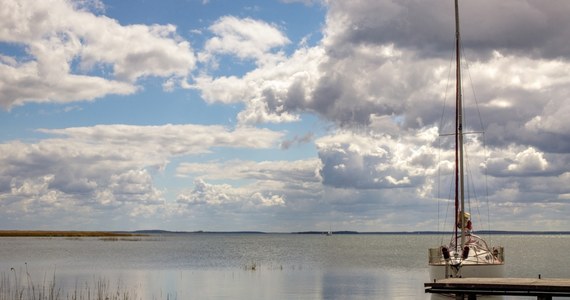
(279, 115)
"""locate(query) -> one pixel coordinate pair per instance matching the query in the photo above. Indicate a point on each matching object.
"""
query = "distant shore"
(112, 234)
(46, 233)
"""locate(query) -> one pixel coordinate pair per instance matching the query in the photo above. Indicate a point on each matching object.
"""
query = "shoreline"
(62, 233)
(139, 233)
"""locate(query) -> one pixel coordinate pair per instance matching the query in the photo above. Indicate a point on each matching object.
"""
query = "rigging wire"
(482, 132)
(472, 191)
(473, 90)
(470, 186)
(438, 183)
(487, 185)
(451, 191)
(441, 125)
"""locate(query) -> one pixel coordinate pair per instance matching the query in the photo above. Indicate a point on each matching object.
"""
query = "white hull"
(477, 259)
(437, 272)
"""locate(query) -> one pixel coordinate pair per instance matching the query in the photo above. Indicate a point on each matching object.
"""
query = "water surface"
(261, 266)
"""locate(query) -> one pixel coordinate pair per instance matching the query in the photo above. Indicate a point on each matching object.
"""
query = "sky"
(281, 116)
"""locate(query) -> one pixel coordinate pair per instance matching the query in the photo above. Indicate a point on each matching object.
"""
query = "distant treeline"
(42, 233)
(483, 232)
(348, 232)
(195, 232)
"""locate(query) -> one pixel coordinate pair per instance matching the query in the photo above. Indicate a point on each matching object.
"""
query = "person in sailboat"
(467, 219)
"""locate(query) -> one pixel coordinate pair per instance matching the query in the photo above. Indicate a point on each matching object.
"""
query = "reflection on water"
(213, 266)
(244, 284)
(372, 285)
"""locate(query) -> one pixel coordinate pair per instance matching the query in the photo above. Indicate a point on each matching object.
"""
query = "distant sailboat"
(329, 233)
(467, 255)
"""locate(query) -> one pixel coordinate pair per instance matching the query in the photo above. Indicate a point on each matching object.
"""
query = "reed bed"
(40, 233)
(20, 286)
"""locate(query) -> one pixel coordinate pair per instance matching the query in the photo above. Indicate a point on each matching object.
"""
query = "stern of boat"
(477, 262)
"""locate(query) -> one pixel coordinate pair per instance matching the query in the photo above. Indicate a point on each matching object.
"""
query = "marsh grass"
(15, 286)
(18, 285)
(69, 234)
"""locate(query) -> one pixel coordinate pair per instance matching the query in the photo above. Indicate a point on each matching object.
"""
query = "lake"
(256, 266)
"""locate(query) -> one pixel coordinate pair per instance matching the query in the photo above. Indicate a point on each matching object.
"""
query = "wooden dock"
(470, 288)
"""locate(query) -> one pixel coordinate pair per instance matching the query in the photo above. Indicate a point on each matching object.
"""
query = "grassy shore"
(19, 286)
(41, 233)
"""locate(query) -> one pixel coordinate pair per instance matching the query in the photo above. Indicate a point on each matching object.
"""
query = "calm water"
(217, 266)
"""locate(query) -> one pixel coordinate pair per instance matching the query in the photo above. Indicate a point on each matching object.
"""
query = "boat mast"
(459, 172)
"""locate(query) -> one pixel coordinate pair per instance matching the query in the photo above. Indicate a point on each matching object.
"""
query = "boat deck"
(471, 287)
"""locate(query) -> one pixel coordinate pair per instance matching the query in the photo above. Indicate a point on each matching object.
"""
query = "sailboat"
(466, 255)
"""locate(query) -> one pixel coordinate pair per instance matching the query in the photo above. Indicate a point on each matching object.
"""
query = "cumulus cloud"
(389, 73)
(225, 195)
(535, 28)
(256, 184)
(20, 83)
(396, 64)
(274, 92)
(56, 35)
(109, 167)
(291, 192)
(525, 162)
(375, 161)
(344, 86)
(244, 38)
(378, 79)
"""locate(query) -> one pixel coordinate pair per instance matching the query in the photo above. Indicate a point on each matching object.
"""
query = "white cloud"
(357, 75)
(528, 160)
(389, 74)
(226, 195)
(274, 92)
(230, 89)
(375, 161)
(109, 167)
(22, 83)
(552, 119)
(254, 184)
(170, 139)
(55, 34)
(380, 73)
(518, 162)
(269, 200)
(283, 171)
(245, 38)
(206, 194)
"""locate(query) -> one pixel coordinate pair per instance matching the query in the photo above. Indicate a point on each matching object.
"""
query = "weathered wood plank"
(501, 286)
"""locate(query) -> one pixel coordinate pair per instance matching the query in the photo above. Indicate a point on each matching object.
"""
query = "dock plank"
(501, 286)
